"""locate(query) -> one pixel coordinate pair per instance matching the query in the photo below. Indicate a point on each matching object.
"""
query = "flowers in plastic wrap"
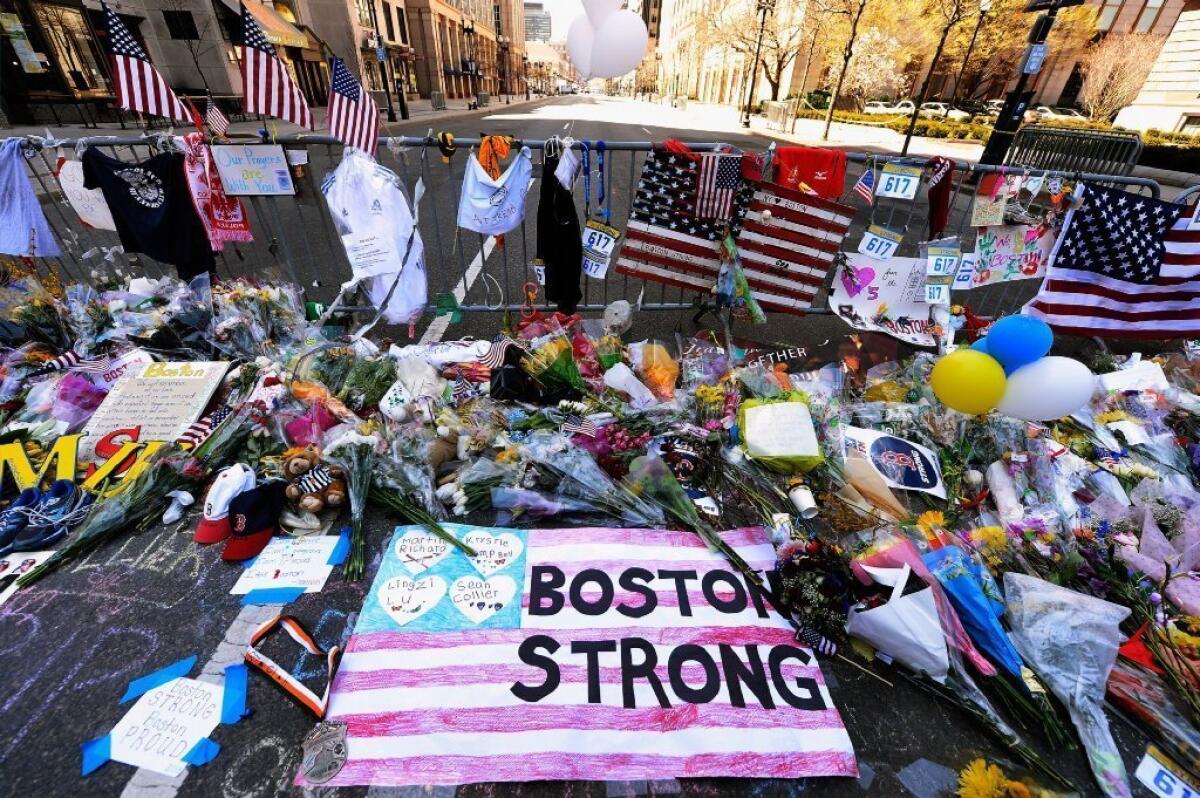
(658, 370)
(1173, 562)
(812, 583)
(251, 319)
(354, 449)
(551, 362)
(1071, 641)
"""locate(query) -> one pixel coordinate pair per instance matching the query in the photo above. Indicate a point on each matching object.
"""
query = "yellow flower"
(1110, 416)
(981, 780)
(509, 455)
(991, 538)
(930, 520)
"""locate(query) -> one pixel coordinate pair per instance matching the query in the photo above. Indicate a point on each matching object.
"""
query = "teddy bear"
(313, 485)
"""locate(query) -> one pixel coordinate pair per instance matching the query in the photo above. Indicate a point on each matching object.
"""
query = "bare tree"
(876, 68)
(783, 37)
(203, 43)
(1116, 67)
(853, 11)
(949, 13)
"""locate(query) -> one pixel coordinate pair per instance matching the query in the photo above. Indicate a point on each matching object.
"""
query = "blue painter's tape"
(202, 752)
(250, 562)
(342, 549)
(233, 703)
(96, 753)
(273, 595)
(158, 678)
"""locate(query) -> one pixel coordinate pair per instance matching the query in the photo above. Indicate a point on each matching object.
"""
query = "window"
(402, 21)
(387, 22)
(1108, 12)
(1149, 16)
(181, 25)
(68, 35)
(1191, 125)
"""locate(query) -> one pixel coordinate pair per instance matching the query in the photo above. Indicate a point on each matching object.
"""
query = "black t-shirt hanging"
(559, 240)
(152, 209)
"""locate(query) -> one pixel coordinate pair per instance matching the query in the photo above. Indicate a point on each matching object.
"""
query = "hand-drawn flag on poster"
(595, 654)
(1126, 265)
(786, 254)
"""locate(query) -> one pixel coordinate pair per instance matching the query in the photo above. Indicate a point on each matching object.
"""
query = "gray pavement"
(70, 645)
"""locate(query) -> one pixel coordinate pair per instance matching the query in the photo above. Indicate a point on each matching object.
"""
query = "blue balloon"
(981, 345)
(1017, 341)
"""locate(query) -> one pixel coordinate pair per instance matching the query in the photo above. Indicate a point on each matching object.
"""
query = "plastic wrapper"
(251, 320)
(1071, 641)
(621, 378)
(1157, 557)
(551, 361)
(658, 370)
(75, 400)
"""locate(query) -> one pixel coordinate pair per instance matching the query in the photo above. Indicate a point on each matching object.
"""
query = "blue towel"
(22, 222)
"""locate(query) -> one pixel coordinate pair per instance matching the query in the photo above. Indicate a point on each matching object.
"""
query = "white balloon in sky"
(581, 39)
(620, 44)
(598, 10)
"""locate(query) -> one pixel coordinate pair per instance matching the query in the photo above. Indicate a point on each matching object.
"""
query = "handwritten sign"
(887, 298)
(900, 182)
(159, 399)
(88, 202)
(289, 562)
(253, 169)
(1011, 252)
(992, 198)
(165, 724)
(879, 242)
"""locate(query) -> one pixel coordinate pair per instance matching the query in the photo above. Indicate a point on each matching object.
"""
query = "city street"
(69, 646)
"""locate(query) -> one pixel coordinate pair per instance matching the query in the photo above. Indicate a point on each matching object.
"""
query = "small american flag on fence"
(267, 88)
(717, 184)
(1125, 265)
(353, 115)
(217, 122)
(200, 431)
(787, 239)
(865, 187)
(138, 85)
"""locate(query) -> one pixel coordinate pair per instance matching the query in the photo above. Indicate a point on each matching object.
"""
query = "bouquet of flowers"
(251, 320)
(354, 449)
(551, 362)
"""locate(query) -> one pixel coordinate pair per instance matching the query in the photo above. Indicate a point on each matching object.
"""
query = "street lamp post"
(764, 8)
(504, 69)
(525, 74)
(984, 7)
(383, 62)
(468, 28)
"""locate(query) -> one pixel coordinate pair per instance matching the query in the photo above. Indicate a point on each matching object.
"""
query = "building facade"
(1170, 98)
(537, 22)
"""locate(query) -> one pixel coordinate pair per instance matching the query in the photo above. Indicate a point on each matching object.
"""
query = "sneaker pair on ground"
(37, 519)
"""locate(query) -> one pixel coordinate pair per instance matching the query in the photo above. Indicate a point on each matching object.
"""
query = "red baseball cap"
(253, 520)
(214, 525)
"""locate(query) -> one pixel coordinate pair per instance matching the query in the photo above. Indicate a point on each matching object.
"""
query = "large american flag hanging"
(786, 253)
(1125, 265)
(353, 115)
(266, 86)
(139, 86)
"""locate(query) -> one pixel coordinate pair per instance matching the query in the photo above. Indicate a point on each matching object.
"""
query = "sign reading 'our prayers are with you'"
(578, 654)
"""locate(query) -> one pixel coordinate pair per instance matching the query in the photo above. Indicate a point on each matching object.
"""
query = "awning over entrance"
(277, 29)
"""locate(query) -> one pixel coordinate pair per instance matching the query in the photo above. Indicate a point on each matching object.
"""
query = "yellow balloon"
(968, 381)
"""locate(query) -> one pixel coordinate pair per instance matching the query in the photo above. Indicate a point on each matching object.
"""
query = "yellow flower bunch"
(541, 358)
(990, 540)
(982, 780)
(1109, 416)
(930, 522)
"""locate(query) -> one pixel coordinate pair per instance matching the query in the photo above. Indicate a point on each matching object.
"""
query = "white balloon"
(581, 39)
(598, 10)
(1046, 389)
(620, 44)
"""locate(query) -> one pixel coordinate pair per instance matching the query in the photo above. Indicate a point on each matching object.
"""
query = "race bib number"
(942, 261)
(939, 294)
(539, 272)
(598, 242)
(899, 182)
(1163, 777)
(879, 242)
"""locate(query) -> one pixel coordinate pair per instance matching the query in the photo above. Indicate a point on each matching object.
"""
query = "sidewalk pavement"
(419, 111)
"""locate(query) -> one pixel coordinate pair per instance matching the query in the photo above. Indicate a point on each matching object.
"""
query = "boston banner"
(600, 654)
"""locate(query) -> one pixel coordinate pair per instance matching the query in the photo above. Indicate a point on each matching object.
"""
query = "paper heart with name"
(493, 552)
(480, 599)
(856, 280)
(419, 550)
(406, 599)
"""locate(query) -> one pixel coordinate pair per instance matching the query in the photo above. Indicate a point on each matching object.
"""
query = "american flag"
(463, 390)
(430, 685)
(717, 184)
(498, 352)
(353, 115)
(266, 86)
(200, 431)
(217, 122)
(139, 86)
(786, 254)
(72, 361)
(574, 425)
(865, 187)
(1125, 265)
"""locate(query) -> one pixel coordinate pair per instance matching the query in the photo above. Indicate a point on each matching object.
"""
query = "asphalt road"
(69, 646)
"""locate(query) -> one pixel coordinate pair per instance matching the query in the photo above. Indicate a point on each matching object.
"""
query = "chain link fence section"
(295, 238)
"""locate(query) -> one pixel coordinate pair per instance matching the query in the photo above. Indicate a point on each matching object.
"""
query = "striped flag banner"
(202, 429)
(564, 654)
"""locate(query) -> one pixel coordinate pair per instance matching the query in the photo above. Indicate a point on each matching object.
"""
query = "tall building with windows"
(1170, 98)
(537, 22)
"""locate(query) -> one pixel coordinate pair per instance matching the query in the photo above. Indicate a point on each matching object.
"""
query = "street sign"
(381, 54)
(1035, 56)
(1046, 5)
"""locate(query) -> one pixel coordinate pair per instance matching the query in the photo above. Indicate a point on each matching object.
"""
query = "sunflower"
(930, 521)
(981, 780)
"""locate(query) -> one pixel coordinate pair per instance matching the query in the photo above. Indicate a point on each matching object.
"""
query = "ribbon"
(600, 148)
(290, 684)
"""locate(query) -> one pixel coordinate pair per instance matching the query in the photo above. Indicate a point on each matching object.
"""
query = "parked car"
(938, 110)
(883, 107)
(992, 107)
(1046, 113)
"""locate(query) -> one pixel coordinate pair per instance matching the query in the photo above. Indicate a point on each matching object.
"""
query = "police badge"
(324, 751)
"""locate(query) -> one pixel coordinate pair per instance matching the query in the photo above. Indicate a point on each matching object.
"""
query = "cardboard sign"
(88, 203)
(900, 182)
(1011, 252)
(621, 654)
(887, 298)
(165, 724)
(131, 360)
(879, 242)
(992, 198)
(33, 63)
(289, 562)
(901, 463)
(158, 399)
(253, 169)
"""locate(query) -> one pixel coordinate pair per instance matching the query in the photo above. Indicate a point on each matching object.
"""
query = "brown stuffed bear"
(313, 484)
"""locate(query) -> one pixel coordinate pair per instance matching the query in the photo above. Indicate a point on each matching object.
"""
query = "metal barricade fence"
(295, 237)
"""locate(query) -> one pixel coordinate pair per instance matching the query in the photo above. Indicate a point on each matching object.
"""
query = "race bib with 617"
(599, 240)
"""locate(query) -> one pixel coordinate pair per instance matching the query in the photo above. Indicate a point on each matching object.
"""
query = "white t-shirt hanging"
(568, 167)
(495, 207)
(375, 222)
(88, 202)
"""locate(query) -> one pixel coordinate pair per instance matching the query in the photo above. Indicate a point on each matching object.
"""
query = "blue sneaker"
(61, 507)
(15, 517)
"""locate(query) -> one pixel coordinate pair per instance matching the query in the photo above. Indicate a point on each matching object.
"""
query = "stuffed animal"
(313, 485)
